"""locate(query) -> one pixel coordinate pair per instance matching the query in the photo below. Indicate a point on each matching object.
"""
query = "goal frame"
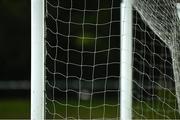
(126, 60)
(37, 60)
(178, 8)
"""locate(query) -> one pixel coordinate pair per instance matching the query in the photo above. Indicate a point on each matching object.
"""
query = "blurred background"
(15, 58)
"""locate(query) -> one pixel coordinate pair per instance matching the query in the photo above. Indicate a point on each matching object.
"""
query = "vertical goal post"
(37, 60)
(126, 60)
(178, 8)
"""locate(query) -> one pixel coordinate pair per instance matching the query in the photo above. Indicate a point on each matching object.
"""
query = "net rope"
(162, 17)
(83, 59)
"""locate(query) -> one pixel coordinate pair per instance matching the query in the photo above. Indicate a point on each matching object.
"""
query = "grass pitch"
(163, 107)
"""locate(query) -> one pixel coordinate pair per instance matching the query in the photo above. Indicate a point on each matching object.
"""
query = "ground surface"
(165, 107)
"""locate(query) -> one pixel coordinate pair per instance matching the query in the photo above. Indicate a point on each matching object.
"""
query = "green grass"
(162, 106)
(14, 108)
(98, 110)
(165, 107)
(146, 110)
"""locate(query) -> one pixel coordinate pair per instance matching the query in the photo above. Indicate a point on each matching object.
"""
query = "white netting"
(161, 16)
(83, 59)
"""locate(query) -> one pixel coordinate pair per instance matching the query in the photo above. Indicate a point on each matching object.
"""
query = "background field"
(147, 109)
(164, 106)
(14, 108)
(18, 107)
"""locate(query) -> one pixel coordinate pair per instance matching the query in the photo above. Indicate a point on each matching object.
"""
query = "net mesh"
(162, 17)
(83, 59)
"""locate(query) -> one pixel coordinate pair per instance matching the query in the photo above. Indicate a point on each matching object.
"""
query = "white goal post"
(126, 59)
(37, 60)
(178, 9)
(125, 91)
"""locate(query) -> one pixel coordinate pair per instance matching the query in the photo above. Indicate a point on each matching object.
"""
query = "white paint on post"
(126, 60)
(178, 9)
(37, 59)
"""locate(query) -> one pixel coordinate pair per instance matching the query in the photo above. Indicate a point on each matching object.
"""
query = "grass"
(14, 108)
(83, 111)
(164, 106)
(141, 109)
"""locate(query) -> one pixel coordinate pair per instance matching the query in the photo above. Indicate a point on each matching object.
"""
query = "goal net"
(83, 59)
